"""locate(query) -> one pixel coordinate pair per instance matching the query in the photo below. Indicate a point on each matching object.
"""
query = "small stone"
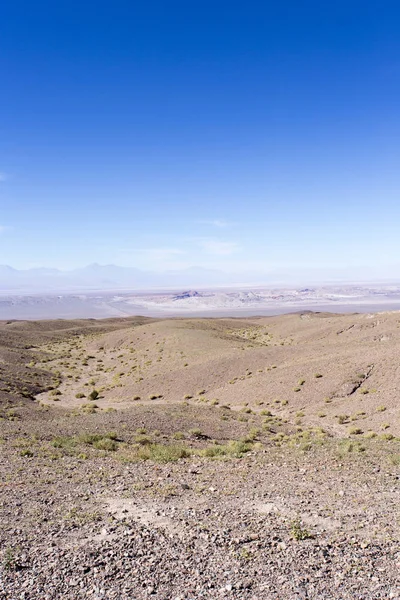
(151, 590)
(281, 546)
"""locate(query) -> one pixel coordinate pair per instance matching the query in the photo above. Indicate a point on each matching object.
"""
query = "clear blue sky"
(167, 134)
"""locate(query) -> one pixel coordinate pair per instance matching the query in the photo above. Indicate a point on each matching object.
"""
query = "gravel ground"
(169, 499)
(276, 523)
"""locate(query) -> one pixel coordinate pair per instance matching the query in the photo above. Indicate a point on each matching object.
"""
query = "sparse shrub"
(318, 375)
(88, 438)
(299, 532)
(387, 436)
(266, 413)
(9, 560)
(105, 444)
(297, 389)
(233, 448)
(349, 446)
(26, 453)
(161, 453)
(355, 431)
(79, 395)
(251, 436)
(142, 440)
(342, 419)
(94, 394)
(178, 435)
(89, 409)
(381, 408)
(195, 432)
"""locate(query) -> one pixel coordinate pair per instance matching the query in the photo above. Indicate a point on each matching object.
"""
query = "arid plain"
(201, 458)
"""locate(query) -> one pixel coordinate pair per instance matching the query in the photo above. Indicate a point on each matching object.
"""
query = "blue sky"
(233, 135)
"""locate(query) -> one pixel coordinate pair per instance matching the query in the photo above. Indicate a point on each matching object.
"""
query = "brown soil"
(278, 478)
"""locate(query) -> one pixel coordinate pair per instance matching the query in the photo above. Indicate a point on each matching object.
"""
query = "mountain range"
(103, 277)
(112, 277)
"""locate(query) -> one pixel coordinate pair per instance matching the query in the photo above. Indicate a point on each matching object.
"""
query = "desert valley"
(201, 458)
(199, 300)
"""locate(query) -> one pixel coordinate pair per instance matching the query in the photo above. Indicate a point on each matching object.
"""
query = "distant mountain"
(97, 277)
(105, 277)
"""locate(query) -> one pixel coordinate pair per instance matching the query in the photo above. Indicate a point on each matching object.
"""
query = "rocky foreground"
(81, 518)
(192, 460)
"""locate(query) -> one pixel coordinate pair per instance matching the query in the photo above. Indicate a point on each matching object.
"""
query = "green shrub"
(234, 449)
(355, 431)
(161, 453)
(342, 419)
(195, 432)
(142, 440)
(105, 444)
(299, 532)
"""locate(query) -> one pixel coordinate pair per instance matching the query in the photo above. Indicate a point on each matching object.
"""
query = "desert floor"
(200, 458)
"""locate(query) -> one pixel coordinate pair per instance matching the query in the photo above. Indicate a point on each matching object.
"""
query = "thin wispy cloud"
(3, 176)
(154, 253)
(217, 247)
(219, 223)
(4, 228)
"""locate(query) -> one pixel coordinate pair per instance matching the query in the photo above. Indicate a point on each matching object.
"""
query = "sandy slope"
(294, 495)
(321, 365)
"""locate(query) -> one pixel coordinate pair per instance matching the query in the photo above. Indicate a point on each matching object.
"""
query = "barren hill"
(335, 369)
(252, 459)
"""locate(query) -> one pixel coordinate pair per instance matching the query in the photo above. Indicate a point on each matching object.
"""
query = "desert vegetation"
(138, 455)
